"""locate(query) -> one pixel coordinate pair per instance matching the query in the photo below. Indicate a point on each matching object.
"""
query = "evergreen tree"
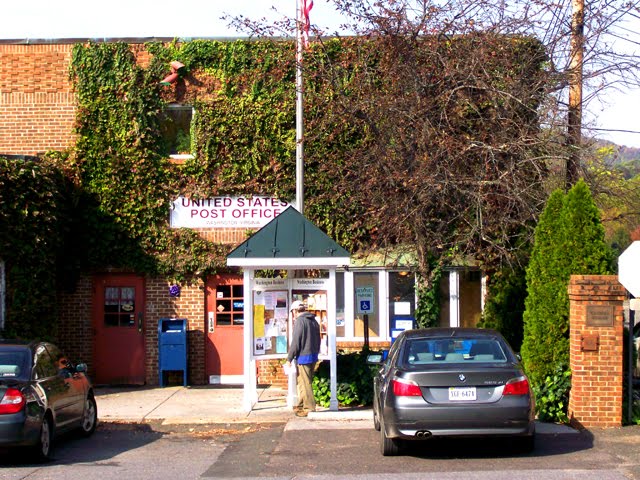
(547, 304)
(585, 235)
(569, 240)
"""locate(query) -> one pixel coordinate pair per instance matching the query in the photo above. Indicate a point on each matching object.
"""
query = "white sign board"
(364, 300)
(629, 269)
(225, 212)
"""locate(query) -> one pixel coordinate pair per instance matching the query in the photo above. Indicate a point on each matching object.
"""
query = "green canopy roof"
(289, 240)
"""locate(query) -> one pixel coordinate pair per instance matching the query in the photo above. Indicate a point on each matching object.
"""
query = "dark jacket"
(305, 342)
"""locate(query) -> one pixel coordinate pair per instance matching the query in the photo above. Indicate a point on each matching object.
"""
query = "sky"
(47, 19)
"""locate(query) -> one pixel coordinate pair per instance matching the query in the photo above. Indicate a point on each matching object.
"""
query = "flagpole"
(299, 113)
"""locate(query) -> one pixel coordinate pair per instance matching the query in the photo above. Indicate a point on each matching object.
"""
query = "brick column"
(596, 343)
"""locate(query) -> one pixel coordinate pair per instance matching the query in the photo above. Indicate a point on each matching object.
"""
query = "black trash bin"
(172, 348)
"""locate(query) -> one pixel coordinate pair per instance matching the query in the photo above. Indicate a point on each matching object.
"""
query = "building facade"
(110, 320)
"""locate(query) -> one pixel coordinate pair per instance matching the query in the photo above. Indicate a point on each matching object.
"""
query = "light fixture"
(176, 70)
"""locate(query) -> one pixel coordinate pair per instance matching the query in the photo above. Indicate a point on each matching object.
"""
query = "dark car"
(42, 395)
(445, 382)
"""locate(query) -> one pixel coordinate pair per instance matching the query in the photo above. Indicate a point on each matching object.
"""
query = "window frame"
(180, 107)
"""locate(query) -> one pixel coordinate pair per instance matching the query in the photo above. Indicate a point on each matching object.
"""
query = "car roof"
(14, 342)
(451, 332)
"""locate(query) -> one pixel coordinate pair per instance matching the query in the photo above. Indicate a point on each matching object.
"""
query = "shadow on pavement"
(546, 445)
(106, 443)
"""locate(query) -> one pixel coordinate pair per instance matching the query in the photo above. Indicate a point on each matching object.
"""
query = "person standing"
(304, 349)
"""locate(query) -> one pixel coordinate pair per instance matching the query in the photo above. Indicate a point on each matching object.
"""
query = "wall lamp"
(176, 69)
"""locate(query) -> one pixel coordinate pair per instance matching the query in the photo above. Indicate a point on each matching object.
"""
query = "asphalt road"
(123, 452)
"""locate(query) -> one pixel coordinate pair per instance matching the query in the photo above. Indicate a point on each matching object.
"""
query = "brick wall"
(596, 351)
(37, 106)
(75, 329)
(190, 305)
(228, 236)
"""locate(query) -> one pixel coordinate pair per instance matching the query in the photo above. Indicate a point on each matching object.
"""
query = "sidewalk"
(214, 404)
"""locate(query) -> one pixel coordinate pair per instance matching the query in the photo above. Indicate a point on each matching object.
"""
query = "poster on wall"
(270, 322)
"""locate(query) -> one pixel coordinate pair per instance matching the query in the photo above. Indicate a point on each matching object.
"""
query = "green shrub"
(552, 397)
(354, 382)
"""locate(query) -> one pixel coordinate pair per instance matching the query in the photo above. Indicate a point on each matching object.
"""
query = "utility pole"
(300, 108)
(574, 113)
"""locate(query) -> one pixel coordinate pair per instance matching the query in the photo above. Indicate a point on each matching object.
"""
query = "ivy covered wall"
(113, 190)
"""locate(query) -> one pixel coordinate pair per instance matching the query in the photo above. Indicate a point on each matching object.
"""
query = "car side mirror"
(519, 357)
(81, 367)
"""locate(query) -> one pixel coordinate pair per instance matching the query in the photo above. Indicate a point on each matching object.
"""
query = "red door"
(225, 326)
(118, 325)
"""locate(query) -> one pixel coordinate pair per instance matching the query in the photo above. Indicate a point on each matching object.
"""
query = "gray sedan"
(445, 382)
(42, 394)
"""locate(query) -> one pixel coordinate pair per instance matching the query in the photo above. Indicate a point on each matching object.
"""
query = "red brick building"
(37, 114)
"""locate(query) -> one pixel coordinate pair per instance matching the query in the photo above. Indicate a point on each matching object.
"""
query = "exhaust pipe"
(423, 434)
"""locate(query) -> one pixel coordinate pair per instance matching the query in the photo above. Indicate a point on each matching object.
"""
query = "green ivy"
(38, 238)
(552, 396)
(428, 294)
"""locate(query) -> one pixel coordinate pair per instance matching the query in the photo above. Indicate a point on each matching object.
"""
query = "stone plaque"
(599, 315)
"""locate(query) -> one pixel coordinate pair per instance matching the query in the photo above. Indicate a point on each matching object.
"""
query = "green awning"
(289, 241)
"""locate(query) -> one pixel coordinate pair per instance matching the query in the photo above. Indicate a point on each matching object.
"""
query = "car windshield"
(14, 363)
(442, 350)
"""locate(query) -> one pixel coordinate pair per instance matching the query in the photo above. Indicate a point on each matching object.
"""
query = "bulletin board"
(270, 322)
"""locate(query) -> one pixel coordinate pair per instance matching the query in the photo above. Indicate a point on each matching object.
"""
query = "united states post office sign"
(225, 212)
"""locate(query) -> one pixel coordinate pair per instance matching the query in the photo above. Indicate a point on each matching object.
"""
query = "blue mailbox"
(172, 347)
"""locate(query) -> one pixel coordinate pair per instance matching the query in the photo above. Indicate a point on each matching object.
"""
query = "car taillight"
(516, 386)
(12, 402)
(405, 388)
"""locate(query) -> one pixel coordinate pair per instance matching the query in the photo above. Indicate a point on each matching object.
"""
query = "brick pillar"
(596, 343)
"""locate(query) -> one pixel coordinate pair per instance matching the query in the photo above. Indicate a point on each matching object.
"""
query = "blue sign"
(365, 306)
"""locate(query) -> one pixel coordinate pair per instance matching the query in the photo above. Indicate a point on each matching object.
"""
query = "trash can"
(172, 348)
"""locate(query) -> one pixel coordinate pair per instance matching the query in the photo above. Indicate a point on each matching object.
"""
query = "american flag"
(305, 8)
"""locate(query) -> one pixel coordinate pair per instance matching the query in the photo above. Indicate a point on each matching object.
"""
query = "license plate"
(462, 394)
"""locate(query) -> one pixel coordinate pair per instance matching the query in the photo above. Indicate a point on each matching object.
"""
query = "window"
(340, 316)
(402, 299)
(229, 305)
(119, 306)
(453, 350)
(176, 130)
(14, 363)
(367, 315)
(44, 366)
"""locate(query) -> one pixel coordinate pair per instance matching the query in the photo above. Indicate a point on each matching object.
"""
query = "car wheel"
(90, 417)
(388, 446)
(44, 446)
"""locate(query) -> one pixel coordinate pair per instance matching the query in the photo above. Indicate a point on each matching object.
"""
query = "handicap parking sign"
(364, 300)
